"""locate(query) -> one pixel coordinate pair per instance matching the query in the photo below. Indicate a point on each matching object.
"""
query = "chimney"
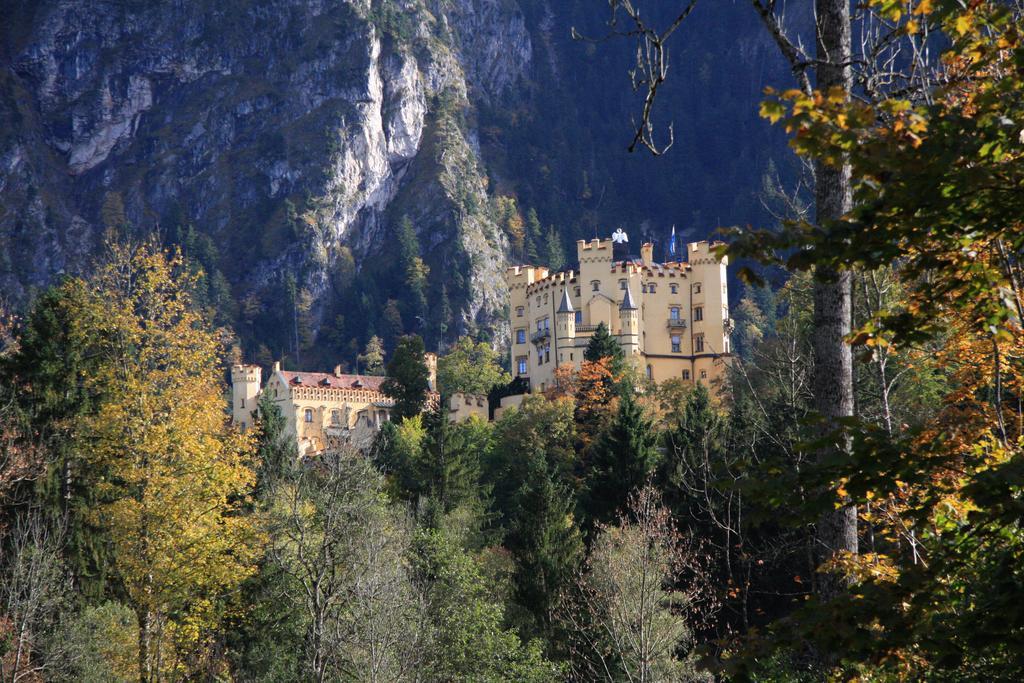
(277, 366)
(337, 370)
(647, 253)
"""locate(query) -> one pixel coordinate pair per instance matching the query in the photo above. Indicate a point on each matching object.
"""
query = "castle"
(322, 411)
(671, 319)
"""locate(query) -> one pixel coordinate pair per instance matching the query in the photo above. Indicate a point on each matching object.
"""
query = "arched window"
(308, 415)
(650, 372)
(545, 299)
(595, 286)
(673, 313)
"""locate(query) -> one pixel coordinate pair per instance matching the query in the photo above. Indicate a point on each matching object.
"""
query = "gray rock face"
(285, 130)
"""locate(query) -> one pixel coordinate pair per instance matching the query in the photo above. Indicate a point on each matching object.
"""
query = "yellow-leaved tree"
(179, 475)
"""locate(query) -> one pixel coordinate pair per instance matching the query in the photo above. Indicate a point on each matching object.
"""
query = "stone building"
(326, 411)
(671, 319)
(322, 411)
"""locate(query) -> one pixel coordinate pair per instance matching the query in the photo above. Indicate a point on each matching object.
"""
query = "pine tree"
(555, 253)
(621, 461)
(408, 380)
(544, 540)
(693, 444)
(414, 272)
(603, 345)
(448, 466)
(371, 361)
(276, 451)
(533, 239)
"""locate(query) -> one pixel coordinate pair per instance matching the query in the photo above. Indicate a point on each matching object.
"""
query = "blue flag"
(672, 242)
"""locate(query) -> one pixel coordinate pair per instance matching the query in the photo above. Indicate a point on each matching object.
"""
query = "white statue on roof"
(620, 237)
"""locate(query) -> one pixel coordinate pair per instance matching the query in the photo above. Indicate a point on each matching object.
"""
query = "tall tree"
(371, 360)
(179, 474)
(414, 272)
(633, 614)
(408, 379)
(833, 357)
(621, 462)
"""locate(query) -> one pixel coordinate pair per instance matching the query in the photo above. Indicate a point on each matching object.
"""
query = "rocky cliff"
(283, 141)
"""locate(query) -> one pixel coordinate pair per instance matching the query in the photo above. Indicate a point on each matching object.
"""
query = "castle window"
(673, 313)
(650, 372)
(698, 312)
(698, 343)
(595, 286)
(538, 299)
(686, 375)
(519, 311)
(674, 288)
(650, 288)
(308, 415)
(576, 291)
(547, 354)
(521, 365)
(545, 299)
(622, 284)
(547, 323)
(675, 343)
(520, 336)
(335, 417)
(703, 374)
(242, 404)
(579, 317)
(696, 288)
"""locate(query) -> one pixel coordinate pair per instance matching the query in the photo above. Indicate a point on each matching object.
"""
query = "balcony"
(540, 335)
(676, 323)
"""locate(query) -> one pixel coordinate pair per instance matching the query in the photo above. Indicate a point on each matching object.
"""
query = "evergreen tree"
(48, 372)
(408, 380)
(694, 445)
(276, 451)
(534, 239)
(555, 253)
(603, 345)
(544, 540)
(448, 466)
(371, 361)
(621, 461)
(414, 272)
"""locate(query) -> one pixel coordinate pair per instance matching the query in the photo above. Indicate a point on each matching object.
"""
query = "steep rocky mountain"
(282, 143)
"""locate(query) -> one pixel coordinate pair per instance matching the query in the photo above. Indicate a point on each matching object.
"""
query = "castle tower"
(245, 392)
(629, 322)
(565, 326)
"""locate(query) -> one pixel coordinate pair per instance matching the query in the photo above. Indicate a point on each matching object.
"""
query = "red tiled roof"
(327, 379)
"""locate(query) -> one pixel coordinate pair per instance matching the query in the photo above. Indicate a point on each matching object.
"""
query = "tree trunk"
(833, 367)
(142, 615)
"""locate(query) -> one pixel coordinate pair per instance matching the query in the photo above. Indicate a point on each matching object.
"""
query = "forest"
(846, 505)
